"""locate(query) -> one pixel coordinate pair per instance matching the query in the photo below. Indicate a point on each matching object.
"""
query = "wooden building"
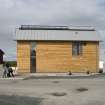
(1, 56)
(57, 49)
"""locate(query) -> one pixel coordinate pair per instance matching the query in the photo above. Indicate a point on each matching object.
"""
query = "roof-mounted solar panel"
(38, 27)
(45, 27)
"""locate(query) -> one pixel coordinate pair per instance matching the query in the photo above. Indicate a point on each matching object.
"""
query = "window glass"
(76, 48)
(33, 48)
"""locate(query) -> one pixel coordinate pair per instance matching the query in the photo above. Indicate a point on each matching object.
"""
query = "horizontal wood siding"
(23, 56)
(57, 57)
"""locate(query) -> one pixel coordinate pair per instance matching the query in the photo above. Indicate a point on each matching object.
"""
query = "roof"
(1, 52)
(60, 33)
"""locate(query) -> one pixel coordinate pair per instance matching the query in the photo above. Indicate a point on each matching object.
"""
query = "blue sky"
(13, 13)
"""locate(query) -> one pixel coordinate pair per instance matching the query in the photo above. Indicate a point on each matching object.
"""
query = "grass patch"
(19, 100)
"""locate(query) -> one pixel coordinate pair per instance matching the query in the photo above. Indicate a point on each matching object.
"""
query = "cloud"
(47, 12)
(52, 12)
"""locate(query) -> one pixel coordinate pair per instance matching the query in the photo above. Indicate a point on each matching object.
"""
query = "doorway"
(33, 57)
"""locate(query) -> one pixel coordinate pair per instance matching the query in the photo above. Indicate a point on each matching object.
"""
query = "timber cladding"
(57, 57)
(23, 56)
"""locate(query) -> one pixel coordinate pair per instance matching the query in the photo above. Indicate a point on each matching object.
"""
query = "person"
(5, 71)
(10, 72)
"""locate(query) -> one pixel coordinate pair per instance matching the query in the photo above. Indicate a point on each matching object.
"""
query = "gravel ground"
(40, 91)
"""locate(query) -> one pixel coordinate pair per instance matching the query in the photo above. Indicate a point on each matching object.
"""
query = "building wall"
(1, 57)
(23, 56)
(57, 57)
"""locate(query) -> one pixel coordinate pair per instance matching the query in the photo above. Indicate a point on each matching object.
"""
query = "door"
(33, 57)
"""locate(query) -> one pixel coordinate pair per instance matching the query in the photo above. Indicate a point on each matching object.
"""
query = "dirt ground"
(53, 92)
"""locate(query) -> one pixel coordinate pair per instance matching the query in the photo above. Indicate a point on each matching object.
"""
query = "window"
(76, 48)
(33, 49)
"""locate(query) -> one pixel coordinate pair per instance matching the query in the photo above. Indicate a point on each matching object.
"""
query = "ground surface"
(36, 91)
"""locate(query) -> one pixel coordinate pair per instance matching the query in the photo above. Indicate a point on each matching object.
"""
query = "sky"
(14, 13)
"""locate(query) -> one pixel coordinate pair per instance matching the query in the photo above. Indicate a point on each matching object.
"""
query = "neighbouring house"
(57, 49)
(1, 56)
